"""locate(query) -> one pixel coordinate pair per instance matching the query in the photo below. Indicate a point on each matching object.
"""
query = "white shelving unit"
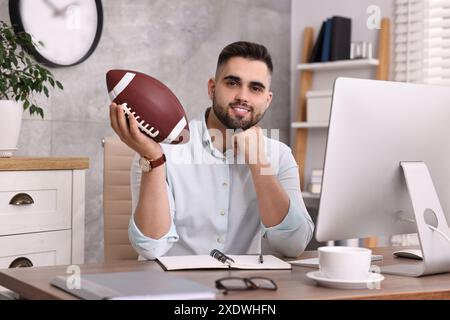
(320, 128)
(339, 65)
(310, 195)
(308, 137)
(309, 125)
(335, 67)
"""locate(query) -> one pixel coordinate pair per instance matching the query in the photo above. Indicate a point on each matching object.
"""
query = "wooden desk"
(33, 283)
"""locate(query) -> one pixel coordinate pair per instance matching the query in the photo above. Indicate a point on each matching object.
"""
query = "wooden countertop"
(43, 163)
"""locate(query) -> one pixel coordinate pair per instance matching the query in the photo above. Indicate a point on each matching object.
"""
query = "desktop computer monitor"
(375, 126)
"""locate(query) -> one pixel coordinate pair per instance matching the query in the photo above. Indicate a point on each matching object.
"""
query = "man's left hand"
(250, 143)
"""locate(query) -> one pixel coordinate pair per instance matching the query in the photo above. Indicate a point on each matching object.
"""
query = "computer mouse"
(409, 253)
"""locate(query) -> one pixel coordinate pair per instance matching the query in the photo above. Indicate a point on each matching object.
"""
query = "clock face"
(69, 29)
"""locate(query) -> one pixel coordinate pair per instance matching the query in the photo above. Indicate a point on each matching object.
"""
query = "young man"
(202, 197)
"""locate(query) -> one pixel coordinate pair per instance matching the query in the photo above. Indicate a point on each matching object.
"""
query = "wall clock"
(69, 29)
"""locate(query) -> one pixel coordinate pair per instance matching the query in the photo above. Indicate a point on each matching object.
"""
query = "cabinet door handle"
(21, 199)
(21, 262)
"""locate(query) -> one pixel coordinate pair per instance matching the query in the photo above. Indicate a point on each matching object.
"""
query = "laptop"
(135, 285)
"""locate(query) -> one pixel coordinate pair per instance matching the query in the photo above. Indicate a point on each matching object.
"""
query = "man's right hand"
(152, 213)
(131, 135)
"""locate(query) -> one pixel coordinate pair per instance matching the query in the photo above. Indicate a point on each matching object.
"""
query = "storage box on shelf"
(318, 106)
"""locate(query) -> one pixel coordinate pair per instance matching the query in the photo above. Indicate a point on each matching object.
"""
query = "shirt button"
(222, 212)
(220, 240)
(224, 184)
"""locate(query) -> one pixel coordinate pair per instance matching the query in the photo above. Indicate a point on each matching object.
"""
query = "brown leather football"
(157, 110)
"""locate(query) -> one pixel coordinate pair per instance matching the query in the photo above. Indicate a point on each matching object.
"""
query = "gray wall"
(175, 41)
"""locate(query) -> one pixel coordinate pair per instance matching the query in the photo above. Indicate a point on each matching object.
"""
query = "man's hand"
(273, 200)
(131, 135)
(250, 143)
(152, 214)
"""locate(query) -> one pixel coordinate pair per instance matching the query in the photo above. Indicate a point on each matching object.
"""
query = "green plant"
(21, 77)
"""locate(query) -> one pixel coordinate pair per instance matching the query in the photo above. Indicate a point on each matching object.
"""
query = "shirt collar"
(207, 142)
(206, 138)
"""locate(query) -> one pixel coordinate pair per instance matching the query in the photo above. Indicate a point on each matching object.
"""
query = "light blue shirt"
(213, 202)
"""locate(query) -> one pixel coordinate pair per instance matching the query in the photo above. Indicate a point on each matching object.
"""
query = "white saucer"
(372, 282)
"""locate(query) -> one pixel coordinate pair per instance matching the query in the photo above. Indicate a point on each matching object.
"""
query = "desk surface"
(33, 283)
(43, 163)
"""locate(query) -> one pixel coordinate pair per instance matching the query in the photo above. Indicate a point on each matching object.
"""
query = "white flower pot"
(10, 123)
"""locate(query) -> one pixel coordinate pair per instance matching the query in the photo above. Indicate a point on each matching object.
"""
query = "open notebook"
(207, 262)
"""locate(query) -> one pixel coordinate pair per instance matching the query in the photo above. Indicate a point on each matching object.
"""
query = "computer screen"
(375, 125)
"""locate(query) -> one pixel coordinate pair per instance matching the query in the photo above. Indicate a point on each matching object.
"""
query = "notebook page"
(191, 262)
(252, 262)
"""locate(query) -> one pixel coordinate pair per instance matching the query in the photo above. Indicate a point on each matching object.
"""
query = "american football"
(158, 112)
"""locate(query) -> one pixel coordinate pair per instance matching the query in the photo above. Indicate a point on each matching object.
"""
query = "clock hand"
(51, 5)
(63, 10)
(56, 10)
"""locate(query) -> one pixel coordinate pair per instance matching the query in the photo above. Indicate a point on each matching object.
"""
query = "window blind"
(422, 41)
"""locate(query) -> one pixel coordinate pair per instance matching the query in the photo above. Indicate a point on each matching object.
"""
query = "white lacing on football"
(141, 124)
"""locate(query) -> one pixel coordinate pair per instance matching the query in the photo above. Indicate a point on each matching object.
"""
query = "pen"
(220, 256)
(261, 259)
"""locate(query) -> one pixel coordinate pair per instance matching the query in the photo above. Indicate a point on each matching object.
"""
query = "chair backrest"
(117, 200)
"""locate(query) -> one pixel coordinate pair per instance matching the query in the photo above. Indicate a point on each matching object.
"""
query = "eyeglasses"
(242, 284)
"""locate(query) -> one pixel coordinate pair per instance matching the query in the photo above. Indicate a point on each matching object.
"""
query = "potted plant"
(21, 80)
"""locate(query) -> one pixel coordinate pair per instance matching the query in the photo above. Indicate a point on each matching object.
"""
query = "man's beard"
(235, 123)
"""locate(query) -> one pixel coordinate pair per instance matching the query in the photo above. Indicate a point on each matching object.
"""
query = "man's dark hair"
(248, 50)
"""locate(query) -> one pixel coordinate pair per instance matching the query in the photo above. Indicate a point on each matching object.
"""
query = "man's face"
(240, 92)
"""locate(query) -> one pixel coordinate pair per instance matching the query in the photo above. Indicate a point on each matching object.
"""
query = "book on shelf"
(325, 56)
(341, 35)
(316, 181)
(316, 52)
(333, 41)
(317, 172)
(315, 188)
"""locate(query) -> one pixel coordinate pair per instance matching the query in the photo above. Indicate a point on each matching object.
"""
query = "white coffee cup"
(344, 263)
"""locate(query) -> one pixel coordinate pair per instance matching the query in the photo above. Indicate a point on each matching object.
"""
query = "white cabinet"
(35, 249)
(42, 203)
(34, 201)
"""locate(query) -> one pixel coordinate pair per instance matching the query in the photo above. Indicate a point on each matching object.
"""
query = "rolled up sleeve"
(291, 236)
(147, 247)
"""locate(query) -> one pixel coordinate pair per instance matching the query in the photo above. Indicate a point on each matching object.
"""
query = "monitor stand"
(427, 211)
